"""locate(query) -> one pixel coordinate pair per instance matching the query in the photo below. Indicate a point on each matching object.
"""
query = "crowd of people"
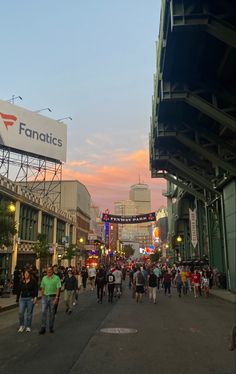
(108, 282)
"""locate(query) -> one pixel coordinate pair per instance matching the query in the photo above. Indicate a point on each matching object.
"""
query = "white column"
(39, 231)
(54, 241)
(16, 237)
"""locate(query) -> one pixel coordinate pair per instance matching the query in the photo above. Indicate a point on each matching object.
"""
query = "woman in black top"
(152, 285)
(28, 291)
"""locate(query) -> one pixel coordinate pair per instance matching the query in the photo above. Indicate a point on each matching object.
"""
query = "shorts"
(139, 289)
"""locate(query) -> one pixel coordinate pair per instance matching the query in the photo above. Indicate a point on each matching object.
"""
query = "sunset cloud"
(109, 182)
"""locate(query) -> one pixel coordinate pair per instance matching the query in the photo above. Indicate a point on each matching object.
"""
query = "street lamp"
(179, 241)
(14, 98)
(11, 207)
(40, 110)
(61, 119)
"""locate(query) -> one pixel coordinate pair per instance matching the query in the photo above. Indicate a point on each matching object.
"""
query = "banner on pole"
(193, 226)
(142, 218)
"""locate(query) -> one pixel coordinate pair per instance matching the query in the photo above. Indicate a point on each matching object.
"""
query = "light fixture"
(40, 110)
(14, 98)
(179, 239)
(61, 119)
(12, 208)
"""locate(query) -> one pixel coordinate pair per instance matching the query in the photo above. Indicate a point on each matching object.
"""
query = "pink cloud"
(108, 183)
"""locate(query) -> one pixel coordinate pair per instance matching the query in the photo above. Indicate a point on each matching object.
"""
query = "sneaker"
(28, 329)
(42, 331)
(21, 328)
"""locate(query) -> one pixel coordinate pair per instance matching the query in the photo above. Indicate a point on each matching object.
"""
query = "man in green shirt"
(50, 289)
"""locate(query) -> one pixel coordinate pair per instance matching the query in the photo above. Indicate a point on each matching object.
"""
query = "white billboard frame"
(29, 132)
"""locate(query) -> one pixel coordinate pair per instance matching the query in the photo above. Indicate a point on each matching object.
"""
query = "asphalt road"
(173, 336)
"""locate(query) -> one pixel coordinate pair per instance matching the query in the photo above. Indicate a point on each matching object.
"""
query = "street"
(175, 335)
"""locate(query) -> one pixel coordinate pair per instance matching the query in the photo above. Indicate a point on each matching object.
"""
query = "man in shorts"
(139, 282)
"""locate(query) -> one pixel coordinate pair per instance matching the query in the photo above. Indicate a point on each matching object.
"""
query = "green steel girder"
(222, 31)
(197, 178)
(208, 155)
(170, 94)
(184, 17)
(212, 137)
(185, 187)
(179, 169)
(212, 111)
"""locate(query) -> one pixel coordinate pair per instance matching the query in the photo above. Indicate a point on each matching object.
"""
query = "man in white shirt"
(92, 275)
(118, 281)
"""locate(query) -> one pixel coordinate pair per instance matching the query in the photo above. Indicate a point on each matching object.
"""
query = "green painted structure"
(193, 129)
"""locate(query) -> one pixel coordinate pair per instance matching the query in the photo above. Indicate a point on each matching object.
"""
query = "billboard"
(31, 132)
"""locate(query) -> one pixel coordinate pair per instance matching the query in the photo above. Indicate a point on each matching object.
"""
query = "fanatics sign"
(31, 132)
(149, 217)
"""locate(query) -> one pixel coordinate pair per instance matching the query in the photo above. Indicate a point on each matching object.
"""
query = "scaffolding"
(40, 175)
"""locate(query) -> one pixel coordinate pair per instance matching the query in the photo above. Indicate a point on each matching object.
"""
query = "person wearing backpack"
(152, 286)
(110, 285)
(139, 282)
(100, 283)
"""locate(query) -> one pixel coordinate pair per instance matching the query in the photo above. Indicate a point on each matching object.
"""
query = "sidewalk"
(223, 294)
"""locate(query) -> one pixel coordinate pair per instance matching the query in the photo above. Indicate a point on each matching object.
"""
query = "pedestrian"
(57, 272)
(139, 282)
(84, 275)
(100, 282)
(205, 283)
(179, 282)
(70, 288)
(157, 271)
(110, 285)
(92, 276)
(50, 290)
(16, 282)
(118, 281)
(152, 286)
(28, 293)
(196, 282)
(184, 276)
(167, 277)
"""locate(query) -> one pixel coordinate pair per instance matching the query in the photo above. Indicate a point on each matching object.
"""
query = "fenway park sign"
(142, 218)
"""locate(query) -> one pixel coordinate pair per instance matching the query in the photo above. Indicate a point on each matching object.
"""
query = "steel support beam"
(211, 111)
(222, 31)
(208, 155)
(185, 187)
(197, 178)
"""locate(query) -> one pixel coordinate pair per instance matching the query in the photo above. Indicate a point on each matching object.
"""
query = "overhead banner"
(193, 226)
(27, 131)
(142, 218)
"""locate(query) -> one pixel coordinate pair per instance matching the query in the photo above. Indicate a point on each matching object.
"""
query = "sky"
(92, 60)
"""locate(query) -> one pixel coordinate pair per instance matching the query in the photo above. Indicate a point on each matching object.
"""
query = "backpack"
(140, 278)
(111, 278)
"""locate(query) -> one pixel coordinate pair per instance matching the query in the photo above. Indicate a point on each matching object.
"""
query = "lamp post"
(40, 110)
(11, 209)
(61, 119)
(81, 242)
(179, 241)
(12, 100)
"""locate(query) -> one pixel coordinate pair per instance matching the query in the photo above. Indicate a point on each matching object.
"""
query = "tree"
(70, 252)
(155, 256)
(41, 249)
(7, 226)
(128, 250)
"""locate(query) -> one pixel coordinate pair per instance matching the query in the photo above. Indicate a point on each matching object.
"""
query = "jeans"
(69, 298)
(26, 304)
(167, 287)
(100, 291)
(110, 292)
(48, 305)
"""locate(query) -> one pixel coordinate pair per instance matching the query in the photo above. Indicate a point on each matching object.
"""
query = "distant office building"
(75, 199)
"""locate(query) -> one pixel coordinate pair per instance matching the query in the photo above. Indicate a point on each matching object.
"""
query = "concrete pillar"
(39, 231)
(229, 218)
(54, 241)
(16, 237)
